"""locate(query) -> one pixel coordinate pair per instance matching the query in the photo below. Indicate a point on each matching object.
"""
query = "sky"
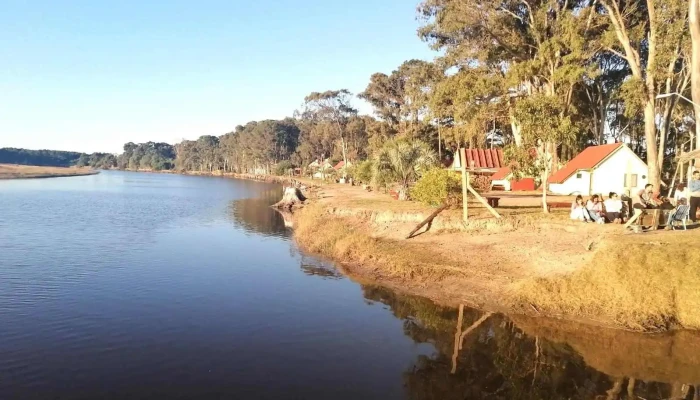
(92, 75)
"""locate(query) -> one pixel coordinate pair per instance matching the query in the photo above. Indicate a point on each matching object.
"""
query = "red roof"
(501, 174)
(340, 165)
(587, 159)
(482, 158)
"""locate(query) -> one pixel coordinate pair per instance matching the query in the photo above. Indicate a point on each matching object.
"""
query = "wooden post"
(484, 202)
(673, 181)
(465, 185)
(458, 337)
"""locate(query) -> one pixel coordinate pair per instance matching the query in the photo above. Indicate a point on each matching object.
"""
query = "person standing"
(694, 189)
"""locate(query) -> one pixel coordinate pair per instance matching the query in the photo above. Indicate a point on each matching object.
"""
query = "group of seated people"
(615, 210)
(598, 211)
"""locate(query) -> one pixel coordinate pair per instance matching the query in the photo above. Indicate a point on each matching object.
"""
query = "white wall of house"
(610, 175)
(578, 183)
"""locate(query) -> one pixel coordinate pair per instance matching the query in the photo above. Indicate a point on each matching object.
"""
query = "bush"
(362, 172)
(481, 183)
(438, 186)
(283, 167)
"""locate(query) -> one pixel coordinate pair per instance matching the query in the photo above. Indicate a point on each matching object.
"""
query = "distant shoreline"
(14, 171)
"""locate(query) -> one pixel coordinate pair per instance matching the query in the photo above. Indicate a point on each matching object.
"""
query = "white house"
(319, 169)
(601, 170)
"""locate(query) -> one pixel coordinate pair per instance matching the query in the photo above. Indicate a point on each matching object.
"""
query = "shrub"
(438, 186)
(481, 183)
(283, 167)
(362, 172)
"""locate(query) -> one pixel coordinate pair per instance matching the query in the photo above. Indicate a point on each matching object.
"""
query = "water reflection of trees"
(537, 359)
(255, 214)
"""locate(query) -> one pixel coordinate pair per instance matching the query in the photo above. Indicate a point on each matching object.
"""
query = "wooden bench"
(493, 201)
(558, 204)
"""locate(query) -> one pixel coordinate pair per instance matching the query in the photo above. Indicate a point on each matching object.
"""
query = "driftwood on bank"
(292, 196)
(428, 220)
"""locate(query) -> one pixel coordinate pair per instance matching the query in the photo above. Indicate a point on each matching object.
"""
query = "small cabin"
(600, 170)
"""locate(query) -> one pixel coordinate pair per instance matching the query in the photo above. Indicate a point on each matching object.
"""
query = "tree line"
(557, 75)
(56, 158)
(551, 75)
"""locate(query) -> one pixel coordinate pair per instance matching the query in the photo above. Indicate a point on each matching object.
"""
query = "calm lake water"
(152, 286)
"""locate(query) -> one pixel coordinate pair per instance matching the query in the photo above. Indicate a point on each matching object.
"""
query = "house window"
(633, 180)
(578, 176)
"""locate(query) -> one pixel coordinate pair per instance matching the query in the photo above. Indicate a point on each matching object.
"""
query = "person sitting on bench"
(681, 192)
(640, 202)
(613, 208)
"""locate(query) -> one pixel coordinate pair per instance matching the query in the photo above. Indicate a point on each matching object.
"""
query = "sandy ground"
(11, 171)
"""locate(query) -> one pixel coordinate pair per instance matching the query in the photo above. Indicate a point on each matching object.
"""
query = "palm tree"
(403, 161)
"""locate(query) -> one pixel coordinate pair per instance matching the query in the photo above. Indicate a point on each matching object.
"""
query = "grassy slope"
(643, 282)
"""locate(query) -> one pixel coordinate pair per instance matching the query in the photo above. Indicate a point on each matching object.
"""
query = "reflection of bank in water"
(491, 356)
(287, 217)
(256, 215)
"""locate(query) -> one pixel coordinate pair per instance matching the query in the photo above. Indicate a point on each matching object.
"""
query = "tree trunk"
(694, 22)
(517, 134)
(545, 178)
(650, 138)
(292, 196)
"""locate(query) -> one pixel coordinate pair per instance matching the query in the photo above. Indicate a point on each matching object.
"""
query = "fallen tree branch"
(430, 218)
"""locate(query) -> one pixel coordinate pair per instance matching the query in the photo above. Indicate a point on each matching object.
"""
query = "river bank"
(526, 263)
(13, 171)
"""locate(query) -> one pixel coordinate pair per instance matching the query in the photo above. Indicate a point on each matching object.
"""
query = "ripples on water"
(130, 286)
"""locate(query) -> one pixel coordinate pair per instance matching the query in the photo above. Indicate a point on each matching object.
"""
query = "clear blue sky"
(90, 76)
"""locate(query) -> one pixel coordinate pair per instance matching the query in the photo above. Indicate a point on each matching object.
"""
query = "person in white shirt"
(613, 208)
(579, 211)
(680, 193)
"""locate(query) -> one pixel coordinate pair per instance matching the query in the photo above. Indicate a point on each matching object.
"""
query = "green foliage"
(438, 186)
(56, 158)
(363, 171)
(522, 161)
(149, 156)
(403, 162)
(283, 168)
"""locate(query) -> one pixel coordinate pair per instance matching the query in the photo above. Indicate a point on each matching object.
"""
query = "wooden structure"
(480, 161)
(683, 159)
(467, 187)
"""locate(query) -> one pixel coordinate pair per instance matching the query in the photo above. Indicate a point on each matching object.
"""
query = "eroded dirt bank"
(526, 263)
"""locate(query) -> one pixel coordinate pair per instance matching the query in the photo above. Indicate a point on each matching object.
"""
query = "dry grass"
(11, 171)
(350, 243)
(647, 282)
